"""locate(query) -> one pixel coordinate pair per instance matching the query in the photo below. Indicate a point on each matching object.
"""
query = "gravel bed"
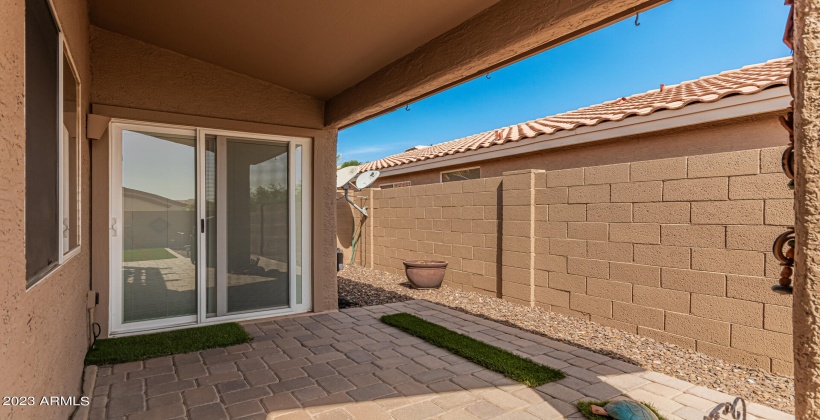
(364, 287)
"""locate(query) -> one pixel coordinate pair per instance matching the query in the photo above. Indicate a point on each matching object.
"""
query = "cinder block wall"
(677, 249)
(458, 222)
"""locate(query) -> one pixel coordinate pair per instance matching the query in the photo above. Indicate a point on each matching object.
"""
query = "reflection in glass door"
(247, 200)
(159, 239)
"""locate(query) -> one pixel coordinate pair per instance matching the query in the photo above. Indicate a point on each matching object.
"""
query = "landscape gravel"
(365, 287)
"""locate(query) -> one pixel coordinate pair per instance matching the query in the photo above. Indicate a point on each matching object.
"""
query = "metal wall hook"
(637, 15)
(488, 76)
(407, 108)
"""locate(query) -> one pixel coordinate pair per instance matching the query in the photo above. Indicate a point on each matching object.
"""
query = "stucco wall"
(745, 133)
(674, 249)
(48, 322)
(123, 67)
(806, 316)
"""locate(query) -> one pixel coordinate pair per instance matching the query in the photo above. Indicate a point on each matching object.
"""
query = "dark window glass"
(461, 175)
(42, 140)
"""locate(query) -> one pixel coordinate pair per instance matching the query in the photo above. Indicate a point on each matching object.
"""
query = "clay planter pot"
(425, 274)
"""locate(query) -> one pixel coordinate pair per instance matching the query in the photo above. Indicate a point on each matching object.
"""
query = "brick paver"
(350, 365)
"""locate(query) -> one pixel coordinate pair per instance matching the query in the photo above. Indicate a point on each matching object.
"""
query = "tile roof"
(747, 80)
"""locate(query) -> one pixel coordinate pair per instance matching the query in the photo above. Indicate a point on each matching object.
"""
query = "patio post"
(806, 312)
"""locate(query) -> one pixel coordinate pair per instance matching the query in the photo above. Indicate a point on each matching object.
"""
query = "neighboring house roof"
(747, 80)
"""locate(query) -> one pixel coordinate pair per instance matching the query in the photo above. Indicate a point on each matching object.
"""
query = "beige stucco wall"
(137, 81)
(806, 316)
(47, 323)
(122, 67)
(675, 249)
(724, 136)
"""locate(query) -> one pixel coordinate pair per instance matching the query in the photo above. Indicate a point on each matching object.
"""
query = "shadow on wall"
(349, 225)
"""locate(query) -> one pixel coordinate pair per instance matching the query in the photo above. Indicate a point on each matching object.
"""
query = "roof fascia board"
(770, 100)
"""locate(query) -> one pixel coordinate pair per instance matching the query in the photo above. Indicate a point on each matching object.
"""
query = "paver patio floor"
(350, 365)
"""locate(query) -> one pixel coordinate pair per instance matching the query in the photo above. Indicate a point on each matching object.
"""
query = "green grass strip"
(142, 347)
(146, 254)
(584, 407)
(502, 361)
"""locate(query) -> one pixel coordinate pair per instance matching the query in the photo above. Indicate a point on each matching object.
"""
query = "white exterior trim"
(116, 326)
(769, 100)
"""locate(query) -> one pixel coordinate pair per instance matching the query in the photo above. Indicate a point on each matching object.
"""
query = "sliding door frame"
(115, 220)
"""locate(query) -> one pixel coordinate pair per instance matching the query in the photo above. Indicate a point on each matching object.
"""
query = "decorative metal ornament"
(785, 239)
(736, 410)
(787, 162)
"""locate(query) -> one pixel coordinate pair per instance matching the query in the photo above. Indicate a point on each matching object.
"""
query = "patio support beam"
(806, 312)
(507, 32)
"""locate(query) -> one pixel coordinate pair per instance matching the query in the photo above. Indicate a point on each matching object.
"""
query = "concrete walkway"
(350, 365)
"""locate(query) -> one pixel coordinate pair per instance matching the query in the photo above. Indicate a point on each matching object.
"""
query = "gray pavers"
(349, 365)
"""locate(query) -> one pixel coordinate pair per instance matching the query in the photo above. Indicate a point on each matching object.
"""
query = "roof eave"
(769, 100)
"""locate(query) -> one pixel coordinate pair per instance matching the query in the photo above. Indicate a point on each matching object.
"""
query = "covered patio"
(292, 74)
(348, 364)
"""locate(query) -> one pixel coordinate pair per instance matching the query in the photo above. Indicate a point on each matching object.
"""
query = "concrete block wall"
(677, 249)
(457, 221)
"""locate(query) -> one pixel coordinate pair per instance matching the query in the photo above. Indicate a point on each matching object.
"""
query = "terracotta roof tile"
(747, 80)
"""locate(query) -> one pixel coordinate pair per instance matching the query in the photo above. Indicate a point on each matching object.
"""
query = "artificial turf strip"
(142, 347)
(146, 254)
(508, 364)
(584, 407)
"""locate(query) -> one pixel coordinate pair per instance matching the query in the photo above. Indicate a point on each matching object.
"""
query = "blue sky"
(678, 41)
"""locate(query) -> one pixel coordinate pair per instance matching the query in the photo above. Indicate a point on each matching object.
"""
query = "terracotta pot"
(425, 274)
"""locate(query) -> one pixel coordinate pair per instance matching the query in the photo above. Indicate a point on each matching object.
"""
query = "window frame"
(66, 56)
(64, 255)
(441, 174)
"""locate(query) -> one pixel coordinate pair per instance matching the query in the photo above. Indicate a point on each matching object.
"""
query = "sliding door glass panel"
(159, 226)
(257, 225)
(247, 222)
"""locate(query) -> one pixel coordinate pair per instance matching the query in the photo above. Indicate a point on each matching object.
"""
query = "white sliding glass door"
(206, 226)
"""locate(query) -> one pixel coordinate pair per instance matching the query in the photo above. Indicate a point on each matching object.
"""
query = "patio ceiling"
(364, 57)
(314, 47)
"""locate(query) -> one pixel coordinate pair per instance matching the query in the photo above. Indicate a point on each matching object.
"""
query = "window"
(52, 146)
(461, 175)
(395, 185)
(70, 163)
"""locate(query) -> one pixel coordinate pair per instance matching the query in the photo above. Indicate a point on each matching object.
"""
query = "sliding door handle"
(202, 225)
